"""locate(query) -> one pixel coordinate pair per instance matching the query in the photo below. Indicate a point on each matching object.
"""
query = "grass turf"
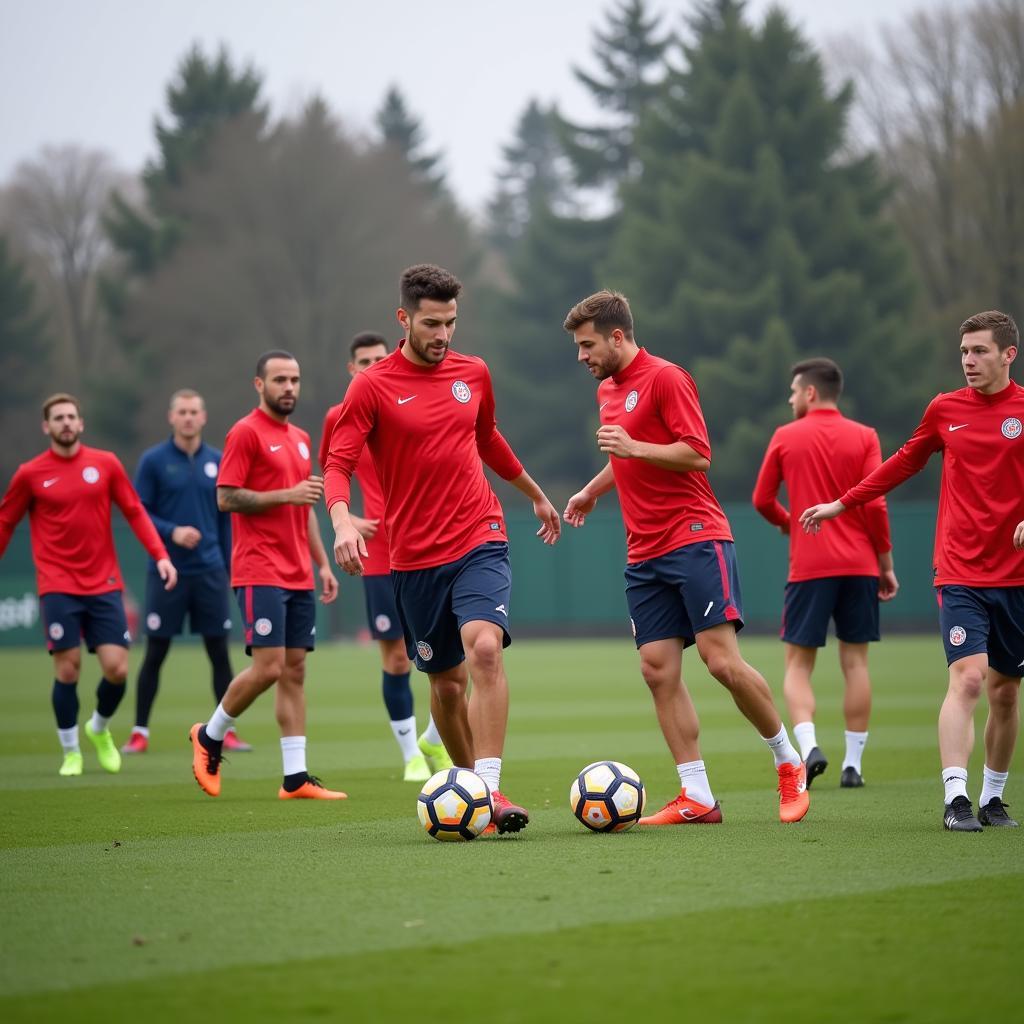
(136, 895)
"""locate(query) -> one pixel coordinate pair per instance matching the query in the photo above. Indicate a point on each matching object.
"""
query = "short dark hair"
(274, 353)
(61, 398)
(1004, 330)
(427, 281)
(367, 339)
(823, 373)
(608, 310)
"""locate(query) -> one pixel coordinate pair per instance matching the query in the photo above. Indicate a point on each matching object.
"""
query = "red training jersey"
(656, 401)
(430, 430)
(268, 548)
(824, 453)
(68, 504)
(376, 562)
(981, 499)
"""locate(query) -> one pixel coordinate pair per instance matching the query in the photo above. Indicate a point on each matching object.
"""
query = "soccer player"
(979, 556)
(427, 414)
(67, 492)
(840, 577)
(426, 755)
(265, 481)
(682, 583)
(177, 482)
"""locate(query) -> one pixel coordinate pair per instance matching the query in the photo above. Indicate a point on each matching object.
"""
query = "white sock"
(804, 733)
(855, 742)
(142, 730)
(405, 734)
(955, 781)
(293, 754)
(693, 777)
(219, 723)
(431, 735)
(69, 740)
(993, 785)
(98, 723)
(489, 769)
(783, 751)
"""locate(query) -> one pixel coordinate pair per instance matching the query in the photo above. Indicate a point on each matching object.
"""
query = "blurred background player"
(979, 556)
(682, 583)
(67, 492)
(426, 755)
(177, 482)
(427, 414)
(265, 480)
(840, 576)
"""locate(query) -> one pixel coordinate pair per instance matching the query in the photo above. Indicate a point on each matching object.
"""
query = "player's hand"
(309, 492)
(812, 518)
(580, 506)
(613, 440)
(349, 549)
(328, 584)
(367, 527)
(551, 526)
(1018, 536)
(186, 536)
(888, 585)
(167, 572)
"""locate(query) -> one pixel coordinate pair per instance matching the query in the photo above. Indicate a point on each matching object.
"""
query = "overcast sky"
(94, 72)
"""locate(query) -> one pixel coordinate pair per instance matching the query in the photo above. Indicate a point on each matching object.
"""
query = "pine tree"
(403, 132)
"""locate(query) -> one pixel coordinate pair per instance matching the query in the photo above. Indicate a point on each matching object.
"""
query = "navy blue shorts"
(204, 597)
(984, 620)
(99, 618)
(277, 617)
(684, 592)
(852, 601)
(381, 611)
(436, 603)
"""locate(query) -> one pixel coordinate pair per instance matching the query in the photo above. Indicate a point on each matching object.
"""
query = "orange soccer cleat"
(311, 789)
(685, 811)
(794, 800)
(205, 763)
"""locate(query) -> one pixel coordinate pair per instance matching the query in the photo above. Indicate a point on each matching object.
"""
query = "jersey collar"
(640, 360)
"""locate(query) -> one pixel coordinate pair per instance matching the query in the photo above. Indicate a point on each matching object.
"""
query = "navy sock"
(108, 696)
(397, 696)
(296, 781)
(65, 704)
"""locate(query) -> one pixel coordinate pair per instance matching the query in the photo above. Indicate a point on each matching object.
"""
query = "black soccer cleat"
(815, 763)
(851, 778)
(994, 814)
(959, 816)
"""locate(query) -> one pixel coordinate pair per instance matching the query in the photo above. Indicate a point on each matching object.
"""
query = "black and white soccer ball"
(608, 796)
(454, 805)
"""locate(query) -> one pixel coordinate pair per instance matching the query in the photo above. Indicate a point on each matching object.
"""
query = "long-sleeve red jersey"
(68, 503)
(981, 498)
(824, 453)
(430, 430)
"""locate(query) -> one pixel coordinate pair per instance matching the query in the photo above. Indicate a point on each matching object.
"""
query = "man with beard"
(265, 481)
(67, 492)
(427, 415)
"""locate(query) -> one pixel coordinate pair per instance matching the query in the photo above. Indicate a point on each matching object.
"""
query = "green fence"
(573, 588)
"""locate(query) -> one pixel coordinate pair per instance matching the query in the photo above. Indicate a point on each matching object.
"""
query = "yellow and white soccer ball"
(454, 805)
(608, 796)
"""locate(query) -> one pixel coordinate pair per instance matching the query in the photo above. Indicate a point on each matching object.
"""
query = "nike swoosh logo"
(687, 815)
(602, 405)
(404, 732)
(402, 401)
(1020, 664)
(275, 447)
(711, 605)
(958, 427)
(50, 483)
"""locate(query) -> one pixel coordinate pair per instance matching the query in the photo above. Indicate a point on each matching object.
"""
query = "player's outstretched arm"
(550, 525)
(349, 546)
(812, 518)
(582, 503)
(328, 581)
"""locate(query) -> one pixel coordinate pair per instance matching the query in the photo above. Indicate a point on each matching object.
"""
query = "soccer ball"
(454, 805)
(608, 796)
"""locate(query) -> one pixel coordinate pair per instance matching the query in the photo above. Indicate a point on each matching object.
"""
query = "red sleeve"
(128, 501)
(325, 435)
(679, 407)
(239, 446)
(13, 506)
(910, 459)
(876, 514)
(357, 418)
(766, 490)
(495, 451)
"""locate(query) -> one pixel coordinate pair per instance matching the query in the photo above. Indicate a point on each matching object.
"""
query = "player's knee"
(1004, 698)
(396, 663)
(485, 652)
(655, 673)
(968, 683)
(447, 692)
(66, 673)
(726, 668)
(268, 670)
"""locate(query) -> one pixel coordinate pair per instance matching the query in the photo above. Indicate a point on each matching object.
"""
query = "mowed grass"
(136, 897)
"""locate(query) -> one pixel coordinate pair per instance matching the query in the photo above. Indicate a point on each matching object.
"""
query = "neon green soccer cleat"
(437, 757)
(417, 769)
(106, 750)
(72, 764)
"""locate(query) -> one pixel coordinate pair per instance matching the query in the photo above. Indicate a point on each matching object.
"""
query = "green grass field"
(136, 897)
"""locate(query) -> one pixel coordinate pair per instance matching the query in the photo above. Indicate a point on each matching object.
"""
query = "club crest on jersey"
(263, 627)
(303, 450)
(958, 636)
(91, 474)
(1011, 428)
(210, 469)
(152, 621)
(383, 623)
(56, 631)
(460, 389)
(424, 650)
(631, 399)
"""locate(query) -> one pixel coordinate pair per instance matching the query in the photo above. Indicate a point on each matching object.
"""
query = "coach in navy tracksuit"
(177, 482)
